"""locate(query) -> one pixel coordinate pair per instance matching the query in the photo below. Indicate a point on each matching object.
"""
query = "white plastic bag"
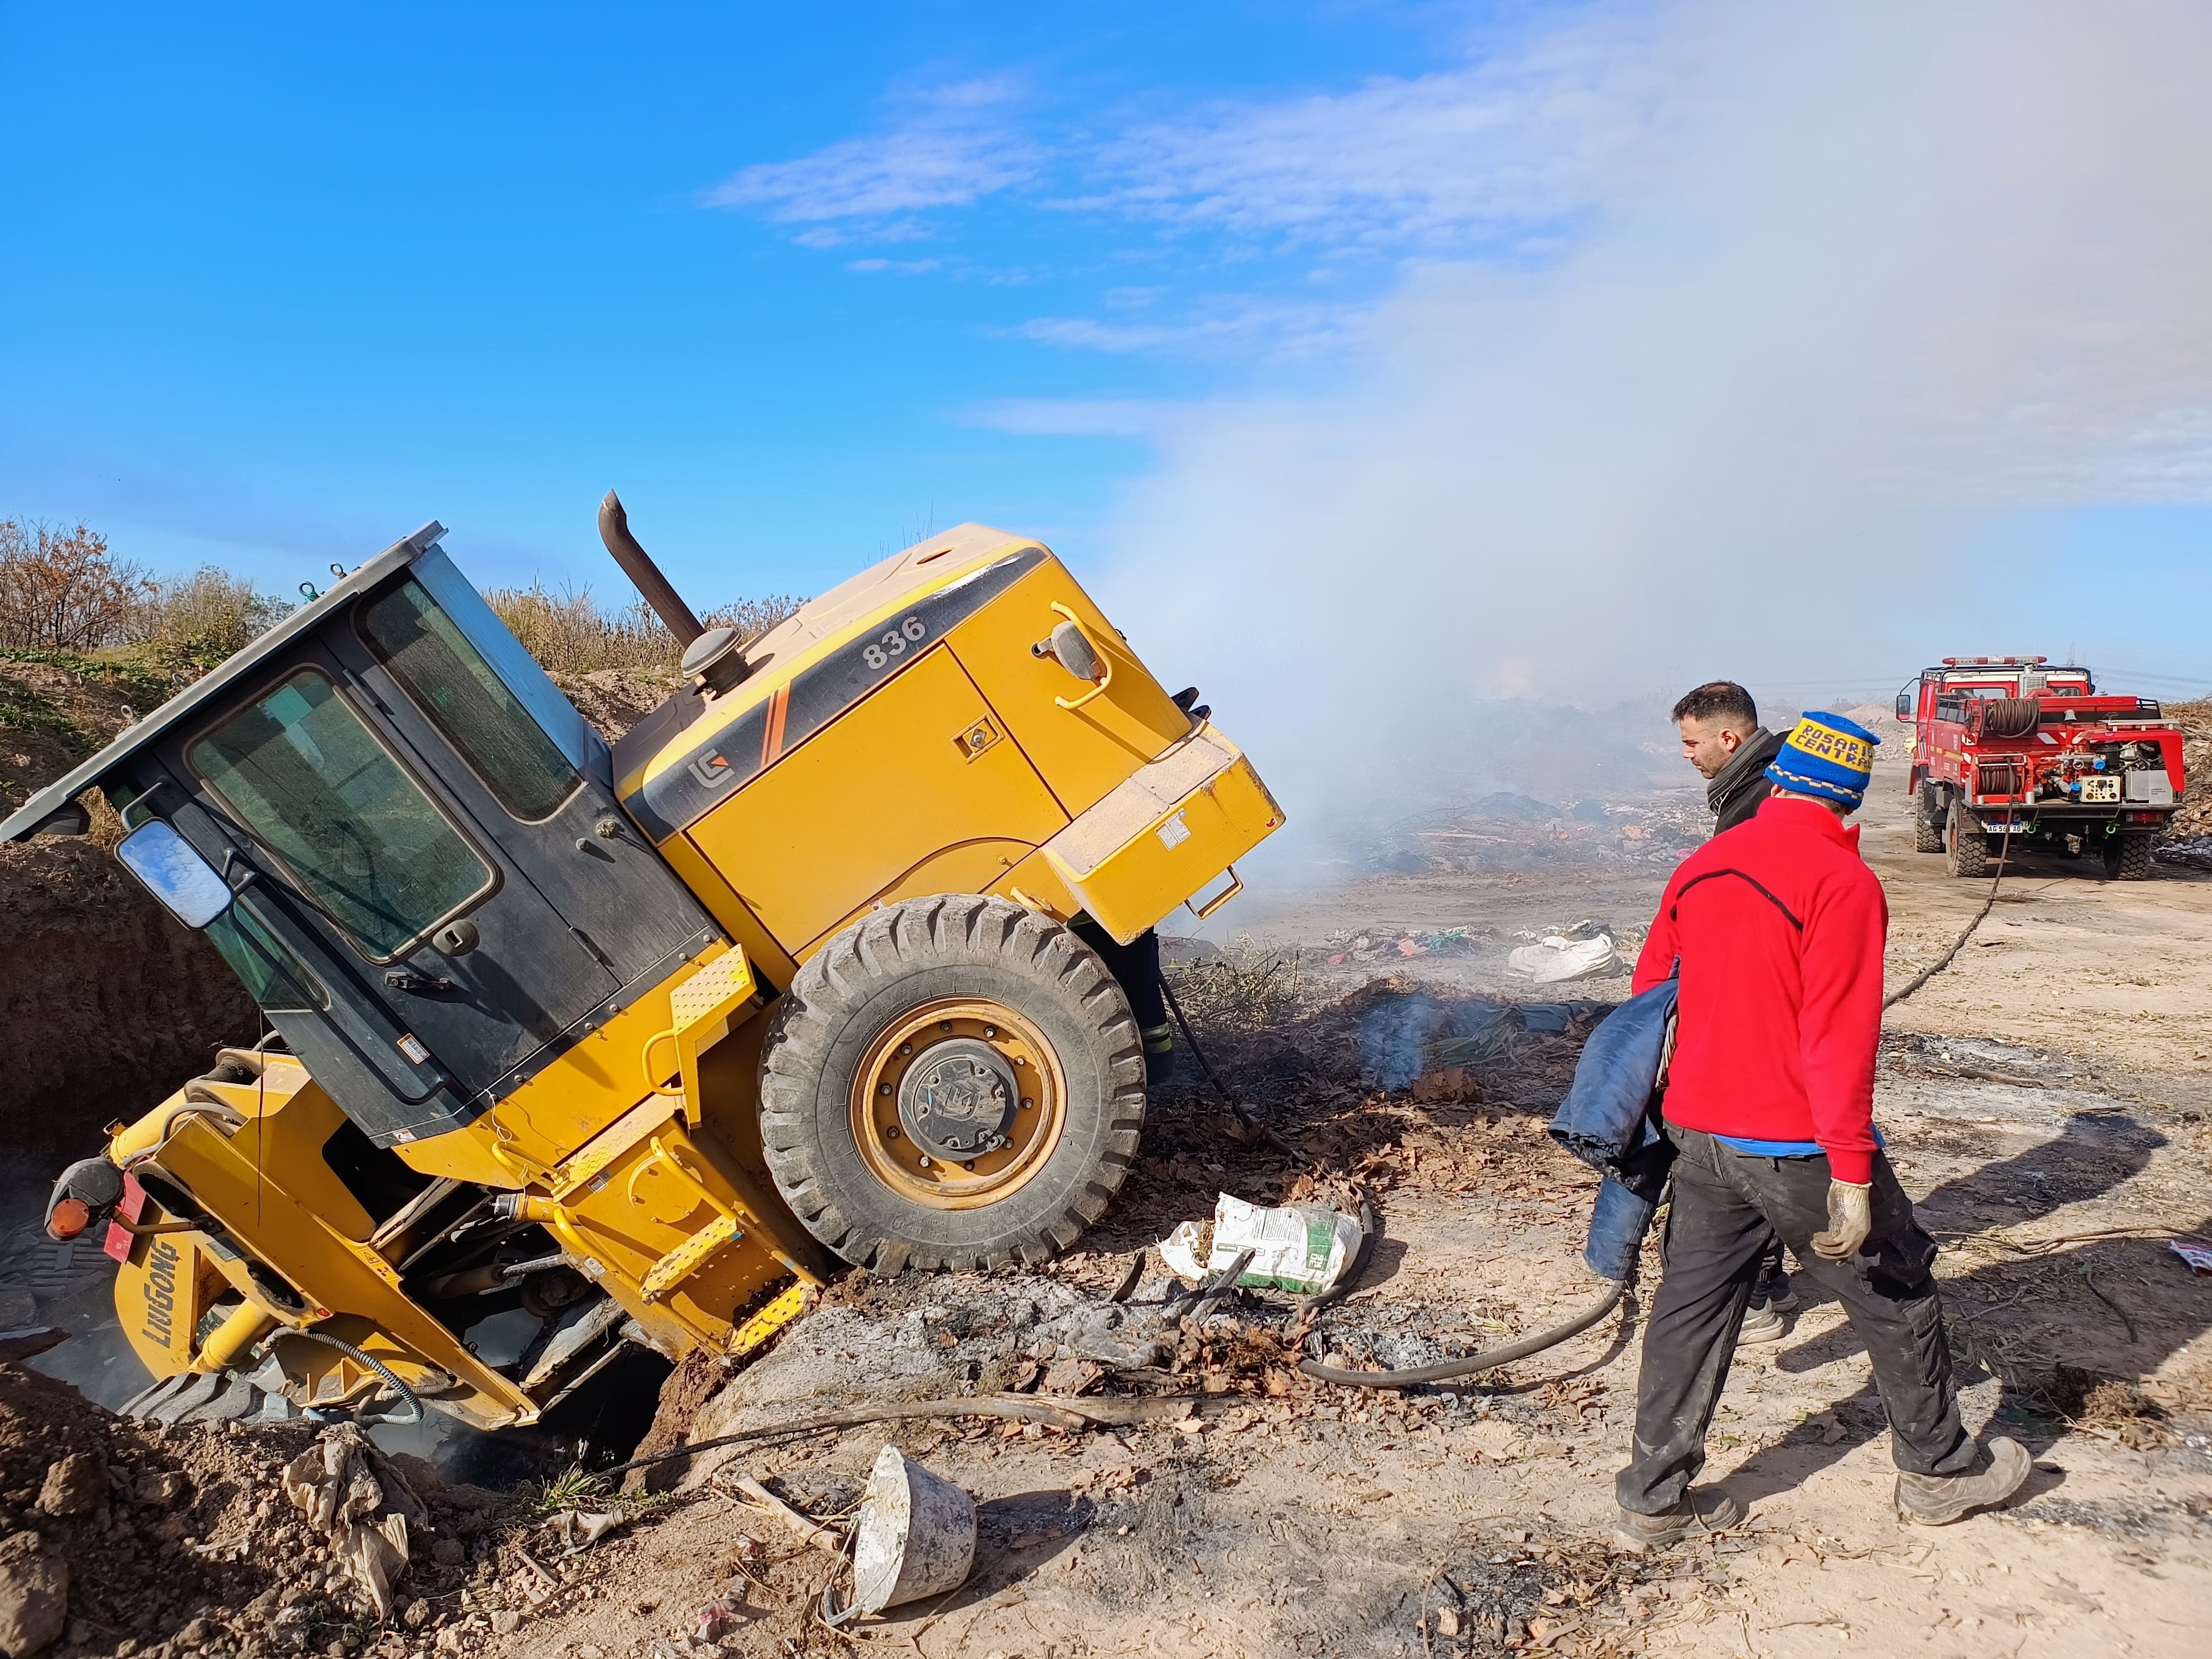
(1556, 958)
(1300, 1248)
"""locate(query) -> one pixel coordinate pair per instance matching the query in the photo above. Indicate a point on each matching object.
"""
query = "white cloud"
(1501, 149)
(957, 147)
(1232, 324)
(1520, 138)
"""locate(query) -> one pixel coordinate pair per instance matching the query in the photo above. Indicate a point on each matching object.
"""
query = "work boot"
(1937, 1500)
(1159, 1052)
(1702, 1511)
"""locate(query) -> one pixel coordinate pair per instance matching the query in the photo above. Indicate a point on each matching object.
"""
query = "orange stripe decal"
(772, 733)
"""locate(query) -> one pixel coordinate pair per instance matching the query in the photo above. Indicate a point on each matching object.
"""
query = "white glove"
(1851, 1219)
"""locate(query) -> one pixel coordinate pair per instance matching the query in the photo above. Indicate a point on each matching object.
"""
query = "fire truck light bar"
(1995, 662)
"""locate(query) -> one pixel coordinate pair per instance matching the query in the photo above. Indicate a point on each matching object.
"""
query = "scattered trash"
(2198, 1258)
(1300, 1248)
(914, 1536)
(348, 1489)
(580, 1529)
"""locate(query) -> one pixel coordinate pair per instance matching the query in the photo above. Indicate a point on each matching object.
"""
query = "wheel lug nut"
(990, 1030)
(924, 1161)
(906, 1047)
(884, 1089)
(890, 1132)
(969, 1165)
(1027, 1105)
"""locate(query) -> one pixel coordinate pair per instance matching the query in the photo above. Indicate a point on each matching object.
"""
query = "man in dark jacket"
(1722, 739)
(1779, 927)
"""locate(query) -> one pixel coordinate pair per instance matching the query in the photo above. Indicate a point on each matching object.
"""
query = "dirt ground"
(2044, 1103)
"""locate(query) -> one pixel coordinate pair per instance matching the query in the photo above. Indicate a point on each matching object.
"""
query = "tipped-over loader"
(570, 1048)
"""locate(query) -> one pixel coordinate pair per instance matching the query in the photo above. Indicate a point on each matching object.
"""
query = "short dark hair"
(1718, 701)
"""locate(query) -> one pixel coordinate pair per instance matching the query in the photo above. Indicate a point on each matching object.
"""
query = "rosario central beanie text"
(1827, 755)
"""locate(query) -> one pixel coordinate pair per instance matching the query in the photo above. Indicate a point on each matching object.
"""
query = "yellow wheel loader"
(570, 1048)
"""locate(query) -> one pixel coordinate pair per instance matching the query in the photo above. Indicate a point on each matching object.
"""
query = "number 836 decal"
(895, 642)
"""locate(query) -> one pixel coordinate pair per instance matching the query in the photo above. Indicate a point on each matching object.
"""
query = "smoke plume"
(1869, 279)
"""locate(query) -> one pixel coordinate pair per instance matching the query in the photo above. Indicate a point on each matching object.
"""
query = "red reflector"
(117, 1244)
(70, 1216)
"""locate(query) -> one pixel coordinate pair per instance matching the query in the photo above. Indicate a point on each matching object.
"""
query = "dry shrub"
(61, 590)
(1244, 988)
(569, 633)
(206, 615)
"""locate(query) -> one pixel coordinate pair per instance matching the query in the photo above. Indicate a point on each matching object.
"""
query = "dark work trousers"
(1135, 965)
(1725, 1204)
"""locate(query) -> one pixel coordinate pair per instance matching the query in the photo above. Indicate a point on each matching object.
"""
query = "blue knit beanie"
(1825, 755)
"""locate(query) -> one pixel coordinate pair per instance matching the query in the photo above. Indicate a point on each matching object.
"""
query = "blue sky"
(284, 281)
(1209, 291)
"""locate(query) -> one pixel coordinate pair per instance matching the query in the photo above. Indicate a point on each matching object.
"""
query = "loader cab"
(403, 840)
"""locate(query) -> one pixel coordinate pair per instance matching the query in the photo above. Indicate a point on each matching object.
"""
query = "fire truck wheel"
(2127, 858)
(953, 1082)
(1965, 843)
(1927, 820)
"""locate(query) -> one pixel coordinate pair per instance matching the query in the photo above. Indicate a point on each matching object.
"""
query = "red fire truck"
(2012, 745)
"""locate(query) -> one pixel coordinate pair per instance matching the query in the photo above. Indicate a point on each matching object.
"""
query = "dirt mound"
(182, 1540)
(615, 699)
(2195, 721)
(165, 1532)
(125, 1005)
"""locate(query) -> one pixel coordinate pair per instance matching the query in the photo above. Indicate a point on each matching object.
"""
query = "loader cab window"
(272, 975)
(452, 683)
(313, 786)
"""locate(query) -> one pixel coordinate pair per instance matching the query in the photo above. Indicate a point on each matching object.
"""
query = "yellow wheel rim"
(959, 1103)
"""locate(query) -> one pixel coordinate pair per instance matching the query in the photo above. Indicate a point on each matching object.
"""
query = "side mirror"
(1072, 650)
(171, 870)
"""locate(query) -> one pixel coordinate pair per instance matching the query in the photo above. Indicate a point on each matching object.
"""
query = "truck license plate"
(2101, 792)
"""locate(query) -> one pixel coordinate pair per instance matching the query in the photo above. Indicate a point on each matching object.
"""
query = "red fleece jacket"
(1779, 926)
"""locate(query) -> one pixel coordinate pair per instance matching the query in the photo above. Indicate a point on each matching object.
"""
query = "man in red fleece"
(1778, 928)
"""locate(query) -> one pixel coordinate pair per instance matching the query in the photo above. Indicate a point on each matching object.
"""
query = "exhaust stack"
(637, 564)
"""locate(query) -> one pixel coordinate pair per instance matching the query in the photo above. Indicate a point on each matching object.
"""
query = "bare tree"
(60, 590)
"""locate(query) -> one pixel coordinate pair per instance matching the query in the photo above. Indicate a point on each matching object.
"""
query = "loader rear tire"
(1927, 820)
(1965, 843)
(973, 999)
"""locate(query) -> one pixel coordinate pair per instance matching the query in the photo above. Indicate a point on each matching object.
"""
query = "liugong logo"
(161, 1293)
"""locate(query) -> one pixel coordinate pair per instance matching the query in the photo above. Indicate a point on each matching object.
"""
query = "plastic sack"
(1555, 959)
(1300, 1248)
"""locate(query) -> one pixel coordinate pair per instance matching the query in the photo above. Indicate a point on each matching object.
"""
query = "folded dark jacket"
(1608, 1117)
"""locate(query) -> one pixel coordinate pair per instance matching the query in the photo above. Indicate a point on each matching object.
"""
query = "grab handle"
(1235, 886)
